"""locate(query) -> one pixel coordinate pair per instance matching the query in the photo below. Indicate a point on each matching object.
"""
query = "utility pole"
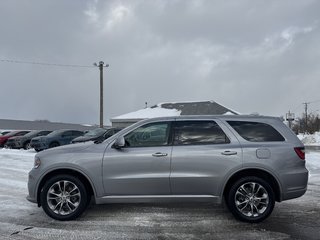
(101, 66)
(290, 118)
(306, 114)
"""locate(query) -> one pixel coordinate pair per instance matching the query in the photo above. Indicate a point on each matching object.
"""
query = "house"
(172, 109)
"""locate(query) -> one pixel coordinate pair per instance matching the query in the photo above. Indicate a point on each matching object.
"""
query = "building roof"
(176, 109)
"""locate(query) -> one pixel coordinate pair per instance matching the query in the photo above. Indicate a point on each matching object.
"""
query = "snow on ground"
(310, 139)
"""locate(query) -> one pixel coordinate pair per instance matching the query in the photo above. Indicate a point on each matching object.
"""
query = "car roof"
(204, 117)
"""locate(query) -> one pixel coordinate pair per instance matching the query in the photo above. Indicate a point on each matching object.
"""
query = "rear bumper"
(295, 184)
(294, 194)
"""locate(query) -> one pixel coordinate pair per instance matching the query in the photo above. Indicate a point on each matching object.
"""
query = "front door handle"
(228, 153)
(159, 154)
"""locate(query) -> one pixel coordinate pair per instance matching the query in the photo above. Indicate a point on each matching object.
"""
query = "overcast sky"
(252, 56)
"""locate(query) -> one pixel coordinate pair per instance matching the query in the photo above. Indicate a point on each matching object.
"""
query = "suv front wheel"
(251, 199)
(64, 197)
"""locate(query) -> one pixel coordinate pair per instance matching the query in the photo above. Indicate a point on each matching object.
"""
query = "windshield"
(11, 133)
(95, 132)
(55, 133)
(32, 133)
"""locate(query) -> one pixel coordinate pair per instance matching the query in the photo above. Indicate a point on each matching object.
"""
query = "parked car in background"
(54, 139)
(4, 138)
(24, 141)
(250, 162)
(98, 134)
(4, 133)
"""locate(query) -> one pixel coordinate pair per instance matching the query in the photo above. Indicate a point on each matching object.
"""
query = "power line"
(46, 64)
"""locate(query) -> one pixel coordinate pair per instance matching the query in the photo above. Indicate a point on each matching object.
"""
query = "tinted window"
(152, 134)
(198, 132)
(67, 134)
(22, 133)
(256, 132)
(77, 133)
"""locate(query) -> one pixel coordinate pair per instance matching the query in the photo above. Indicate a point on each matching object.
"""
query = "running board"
(157, 198)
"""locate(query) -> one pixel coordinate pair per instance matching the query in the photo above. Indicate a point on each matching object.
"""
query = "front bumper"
(39, 145)
(32, 187)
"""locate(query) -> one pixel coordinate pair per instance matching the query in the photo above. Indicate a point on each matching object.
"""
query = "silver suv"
(248, 161)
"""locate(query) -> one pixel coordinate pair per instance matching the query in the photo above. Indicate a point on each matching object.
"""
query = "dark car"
(24, 141)
(4, 139)
(98, 134)
(55, 139)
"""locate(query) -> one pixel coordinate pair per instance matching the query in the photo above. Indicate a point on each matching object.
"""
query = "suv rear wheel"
(251, 199)
(64, 197)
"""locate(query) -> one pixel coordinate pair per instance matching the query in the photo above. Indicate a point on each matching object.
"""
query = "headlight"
(37, 162)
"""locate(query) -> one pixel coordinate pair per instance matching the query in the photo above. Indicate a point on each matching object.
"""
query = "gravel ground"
(19, 219)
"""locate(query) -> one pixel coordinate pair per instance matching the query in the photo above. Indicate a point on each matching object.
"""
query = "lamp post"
(101, 66)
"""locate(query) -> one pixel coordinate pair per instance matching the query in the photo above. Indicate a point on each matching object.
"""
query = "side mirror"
(119, 143)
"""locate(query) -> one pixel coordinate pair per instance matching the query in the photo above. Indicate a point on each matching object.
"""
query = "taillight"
(300, 152)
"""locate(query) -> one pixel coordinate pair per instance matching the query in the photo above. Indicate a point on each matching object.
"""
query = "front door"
(142, 167)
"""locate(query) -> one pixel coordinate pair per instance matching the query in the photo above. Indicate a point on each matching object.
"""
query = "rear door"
(203, 153)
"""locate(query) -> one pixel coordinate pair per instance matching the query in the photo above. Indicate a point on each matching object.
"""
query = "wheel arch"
(260, 173)
(81, 176)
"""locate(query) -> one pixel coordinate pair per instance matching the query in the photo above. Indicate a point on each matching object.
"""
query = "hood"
(41, 138)
(71, 148)
(84, 138)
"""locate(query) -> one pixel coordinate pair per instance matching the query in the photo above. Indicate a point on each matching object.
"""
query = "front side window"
(198, 132)
(256, 131)
(152, 134)
(67, 134)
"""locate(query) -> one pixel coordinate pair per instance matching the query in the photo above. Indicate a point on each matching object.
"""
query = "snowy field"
(19, 219)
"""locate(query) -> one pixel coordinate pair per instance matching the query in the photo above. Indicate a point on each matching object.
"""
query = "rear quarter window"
(256, 131)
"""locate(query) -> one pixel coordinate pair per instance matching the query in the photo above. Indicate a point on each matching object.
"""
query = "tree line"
(307, 124)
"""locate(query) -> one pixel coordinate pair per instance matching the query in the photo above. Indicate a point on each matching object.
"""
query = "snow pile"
(313, 165)
(150, 113)
(310, 139)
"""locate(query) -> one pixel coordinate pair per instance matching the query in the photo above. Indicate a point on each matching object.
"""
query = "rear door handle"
(159, 154)
(228, 153)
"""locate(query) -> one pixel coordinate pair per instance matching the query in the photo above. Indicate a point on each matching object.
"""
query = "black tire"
(251, 199)
(54, 144)
(68, 197)
(26, 145)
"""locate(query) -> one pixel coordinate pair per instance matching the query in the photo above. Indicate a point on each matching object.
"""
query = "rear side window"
(256, 131)
(198, 132)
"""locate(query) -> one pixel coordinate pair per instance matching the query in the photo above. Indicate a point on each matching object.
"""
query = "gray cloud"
(252, 56)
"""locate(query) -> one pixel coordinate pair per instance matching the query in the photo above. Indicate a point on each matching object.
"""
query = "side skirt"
(157, 198)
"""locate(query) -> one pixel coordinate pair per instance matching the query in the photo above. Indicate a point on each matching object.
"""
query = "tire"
(251, 199)
(54, 144)
(64, 197)
(26, 145)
